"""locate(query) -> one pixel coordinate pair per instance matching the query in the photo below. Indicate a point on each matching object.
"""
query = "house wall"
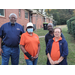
(36, 19)
(21, 20)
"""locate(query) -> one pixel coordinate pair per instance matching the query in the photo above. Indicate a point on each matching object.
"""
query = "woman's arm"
(38, 51)
(26, 53)
(38, 48)
(23, 49)
(64, 52)
(50, 60)
(59, 60)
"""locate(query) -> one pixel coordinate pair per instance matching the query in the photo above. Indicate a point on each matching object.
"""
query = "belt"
(7, 45)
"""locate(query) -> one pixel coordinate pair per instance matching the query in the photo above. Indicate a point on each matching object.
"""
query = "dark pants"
(12, 52)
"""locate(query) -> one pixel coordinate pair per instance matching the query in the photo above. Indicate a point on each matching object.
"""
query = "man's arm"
(46, 40)
(1, 51)
(22, 31)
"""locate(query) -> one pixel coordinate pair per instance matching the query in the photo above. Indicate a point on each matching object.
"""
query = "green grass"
(42, 56)
(40, 32)
(71, 46)
(42, 59)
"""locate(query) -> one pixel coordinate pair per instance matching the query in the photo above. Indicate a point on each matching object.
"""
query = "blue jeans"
(10, 51)
(29, 62)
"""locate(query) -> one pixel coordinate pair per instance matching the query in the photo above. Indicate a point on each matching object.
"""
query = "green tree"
(60, 15)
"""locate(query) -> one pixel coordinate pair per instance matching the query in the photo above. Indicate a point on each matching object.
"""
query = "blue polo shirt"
(11, 34)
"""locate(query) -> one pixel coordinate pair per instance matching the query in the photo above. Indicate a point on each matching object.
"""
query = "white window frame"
(4, 14)
(27, 12)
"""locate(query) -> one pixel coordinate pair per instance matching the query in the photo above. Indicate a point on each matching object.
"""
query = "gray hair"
(12, 14)
(50, 24)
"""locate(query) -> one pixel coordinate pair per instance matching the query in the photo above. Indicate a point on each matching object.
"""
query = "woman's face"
(30, 30)
(57, 33)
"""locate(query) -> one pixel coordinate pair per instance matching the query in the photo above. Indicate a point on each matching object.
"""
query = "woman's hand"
(52, 62)
(36, 56)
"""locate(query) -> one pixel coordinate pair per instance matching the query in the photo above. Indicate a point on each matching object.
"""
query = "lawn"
(71, 46)
(42, 56)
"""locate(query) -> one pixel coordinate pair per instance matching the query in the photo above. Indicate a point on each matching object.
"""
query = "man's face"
(50, 28)
(13, 19)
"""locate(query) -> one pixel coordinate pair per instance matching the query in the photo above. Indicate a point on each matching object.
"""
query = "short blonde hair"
(58, 28)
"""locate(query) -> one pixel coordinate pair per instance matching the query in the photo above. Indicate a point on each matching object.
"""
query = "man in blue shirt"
(10, 37)
(50, 34)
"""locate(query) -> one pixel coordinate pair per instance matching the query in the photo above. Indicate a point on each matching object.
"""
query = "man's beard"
(12, 22)
(50, 31)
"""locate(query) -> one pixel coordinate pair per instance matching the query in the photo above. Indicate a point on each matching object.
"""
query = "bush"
(71, 26)
(68, 25)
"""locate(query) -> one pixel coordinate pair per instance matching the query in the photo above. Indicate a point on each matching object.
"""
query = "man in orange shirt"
(30, 45)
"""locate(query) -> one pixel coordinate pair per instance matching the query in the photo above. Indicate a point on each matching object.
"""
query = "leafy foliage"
(71, 26)
(60, 15)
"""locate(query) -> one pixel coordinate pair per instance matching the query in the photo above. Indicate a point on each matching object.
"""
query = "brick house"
(23, 17)
(38, 19)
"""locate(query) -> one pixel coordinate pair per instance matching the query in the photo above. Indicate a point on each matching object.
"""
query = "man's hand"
(1, 51)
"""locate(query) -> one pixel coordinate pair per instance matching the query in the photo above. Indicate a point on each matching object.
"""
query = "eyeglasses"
(57, 32)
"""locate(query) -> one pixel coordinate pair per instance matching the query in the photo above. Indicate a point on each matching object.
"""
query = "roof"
(36, 12)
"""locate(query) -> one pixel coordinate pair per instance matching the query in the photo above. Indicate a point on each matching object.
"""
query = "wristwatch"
(58, 61)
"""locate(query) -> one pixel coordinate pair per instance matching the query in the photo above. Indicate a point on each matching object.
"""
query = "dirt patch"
(61, 26)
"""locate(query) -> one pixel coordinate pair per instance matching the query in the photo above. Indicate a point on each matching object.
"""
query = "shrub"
(71, 26)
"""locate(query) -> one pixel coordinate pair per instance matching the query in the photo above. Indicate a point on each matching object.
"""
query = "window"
(19, 12)
(26, 14)
(1, 12)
